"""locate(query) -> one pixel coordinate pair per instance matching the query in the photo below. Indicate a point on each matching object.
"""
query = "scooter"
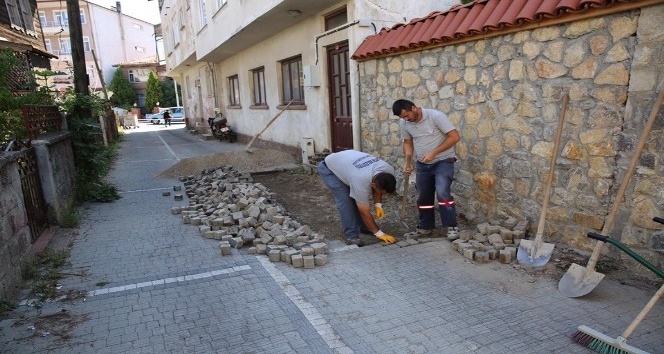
(221, 130)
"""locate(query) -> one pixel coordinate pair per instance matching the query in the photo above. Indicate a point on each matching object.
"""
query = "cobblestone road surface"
(167, 290)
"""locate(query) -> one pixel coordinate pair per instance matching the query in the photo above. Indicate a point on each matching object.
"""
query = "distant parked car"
(177, 115)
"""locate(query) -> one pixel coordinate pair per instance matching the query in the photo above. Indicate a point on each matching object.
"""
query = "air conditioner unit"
(307, 147)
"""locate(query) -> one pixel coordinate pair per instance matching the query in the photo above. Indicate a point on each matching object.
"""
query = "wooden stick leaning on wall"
(267, 126)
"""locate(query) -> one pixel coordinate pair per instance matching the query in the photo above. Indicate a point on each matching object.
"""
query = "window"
(258, 76)
(86, 43)
(61, 18)
(291, 76)
(336, 19)
(132, 77)
(176, 32)
(20, 14)
(139, 49)
(181, 19)
(90, 70)
(65, 46)
(201, 12)
(234, 90)
(82, 17)
(137, 26)
(47, 43)
(42, 19)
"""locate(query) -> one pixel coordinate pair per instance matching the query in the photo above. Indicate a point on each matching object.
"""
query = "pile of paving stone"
(492, 240)
(226, 205)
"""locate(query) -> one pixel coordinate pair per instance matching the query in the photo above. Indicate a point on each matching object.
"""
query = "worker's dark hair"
(400, 105)
(385, 181)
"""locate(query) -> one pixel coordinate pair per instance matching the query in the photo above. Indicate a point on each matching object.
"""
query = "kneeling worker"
(351, 175)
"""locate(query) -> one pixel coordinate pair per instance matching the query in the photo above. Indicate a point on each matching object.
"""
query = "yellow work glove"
(385, 237)
(380, 214)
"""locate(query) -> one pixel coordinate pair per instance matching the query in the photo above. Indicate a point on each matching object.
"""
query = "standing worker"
(351, 175)
(167, 118)
(431, 136)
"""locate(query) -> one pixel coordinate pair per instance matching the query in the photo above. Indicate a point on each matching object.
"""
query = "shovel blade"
(529, 253)
(579, 281)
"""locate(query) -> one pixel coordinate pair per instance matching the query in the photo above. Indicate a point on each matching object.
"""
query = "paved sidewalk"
(155, 286)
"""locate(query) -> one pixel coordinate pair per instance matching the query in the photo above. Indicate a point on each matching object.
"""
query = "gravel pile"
(259, 160)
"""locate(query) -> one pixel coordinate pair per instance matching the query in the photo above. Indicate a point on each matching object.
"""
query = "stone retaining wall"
(57, 173)
(504, 94)
(14, 227)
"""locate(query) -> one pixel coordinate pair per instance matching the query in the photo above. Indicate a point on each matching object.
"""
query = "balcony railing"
(61, 52)
(58, 24)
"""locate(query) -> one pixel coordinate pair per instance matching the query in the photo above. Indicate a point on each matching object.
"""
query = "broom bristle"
(602, 343)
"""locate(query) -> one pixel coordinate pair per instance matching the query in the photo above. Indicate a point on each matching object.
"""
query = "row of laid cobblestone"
(227, 205)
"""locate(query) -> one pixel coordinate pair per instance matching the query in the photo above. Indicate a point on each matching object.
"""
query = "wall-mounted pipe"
(327, 33)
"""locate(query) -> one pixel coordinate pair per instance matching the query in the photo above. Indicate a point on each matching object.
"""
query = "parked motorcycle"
(221, 130)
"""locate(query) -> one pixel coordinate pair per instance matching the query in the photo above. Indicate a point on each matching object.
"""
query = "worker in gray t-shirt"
(430, 136)
(351, 176)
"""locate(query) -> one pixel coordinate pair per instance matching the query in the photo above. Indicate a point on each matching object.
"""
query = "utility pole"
(81, 81)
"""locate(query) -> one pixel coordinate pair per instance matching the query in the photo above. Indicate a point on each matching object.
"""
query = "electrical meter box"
(311, 75)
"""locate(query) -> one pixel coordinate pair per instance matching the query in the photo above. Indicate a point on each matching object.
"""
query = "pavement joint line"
(144, 190)
(180, 279)
(312, 315)
(169, 148)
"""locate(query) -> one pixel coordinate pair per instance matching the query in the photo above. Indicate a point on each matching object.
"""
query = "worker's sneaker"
(354, 241)
(418, 233)
(452, 233)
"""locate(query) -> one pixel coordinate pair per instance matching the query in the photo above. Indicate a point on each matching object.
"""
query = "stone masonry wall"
(14, 228)
(504, 96)
(57, 173)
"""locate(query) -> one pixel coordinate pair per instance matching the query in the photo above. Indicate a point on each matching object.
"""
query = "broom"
(602, 343)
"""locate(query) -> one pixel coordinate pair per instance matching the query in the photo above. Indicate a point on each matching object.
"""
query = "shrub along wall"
(504, 95)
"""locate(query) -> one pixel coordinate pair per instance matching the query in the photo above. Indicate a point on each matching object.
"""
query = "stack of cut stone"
(226, 205)
(492, 240)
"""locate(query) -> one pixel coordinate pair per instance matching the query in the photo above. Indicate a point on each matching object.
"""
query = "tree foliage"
(153, 92)
(123, 94)
(168, 98)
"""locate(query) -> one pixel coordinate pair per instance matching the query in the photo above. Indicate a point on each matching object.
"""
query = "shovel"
(579, 280)
(404, 200)
(537, 253)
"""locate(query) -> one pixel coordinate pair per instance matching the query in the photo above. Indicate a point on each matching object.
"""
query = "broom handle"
(552, 170)
(643, 313)
(623, 186)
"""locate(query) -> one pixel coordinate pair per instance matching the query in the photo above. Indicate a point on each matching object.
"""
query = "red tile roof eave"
(570, 17)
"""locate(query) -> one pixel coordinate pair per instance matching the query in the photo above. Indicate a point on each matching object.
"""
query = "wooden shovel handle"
(552, 169)
(623, 186)
(404, 199)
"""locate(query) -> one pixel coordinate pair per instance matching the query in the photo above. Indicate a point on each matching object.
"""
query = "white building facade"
(252, 58)
(113, 36)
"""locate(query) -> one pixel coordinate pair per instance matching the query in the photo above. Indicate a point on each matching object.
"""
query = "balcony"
(53, 27)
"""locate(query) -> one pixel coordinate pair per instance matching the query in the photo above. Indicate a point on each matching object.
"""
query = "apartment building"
(109, 36)
(253, 58)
